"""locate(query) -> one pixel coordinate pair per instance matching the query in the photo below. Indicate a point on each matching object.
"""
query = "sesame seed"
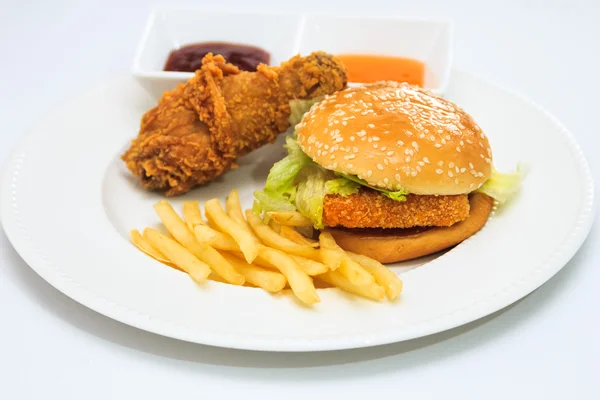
(437, 145)
(400, 143)
(352, 138)
(451, 165)
(462, 143)
(339, 140)
(371, 126)
(380, 167)
(422, 136)
(421, 163)
(386, 162)
(369, 173)
(344, 123)
(334, 165)
(349, 157)
(398, 177)
(332, 157)
(426, 160)
(450, 174)
(471, 165)
(440, 163)
(326, 147)
(324, 153)
(456, 169)
(456, 181)
(383, 148)
(439, 171)
(432, 138)
(375, 145)
(361, 133)
(462, 170)
(443, 141)
(414, 173)
(355, 149)
(349, 165)
(415, 146)
(389, 153)
(407, 159)
(457, 149)
(471, 185)
(376, 138)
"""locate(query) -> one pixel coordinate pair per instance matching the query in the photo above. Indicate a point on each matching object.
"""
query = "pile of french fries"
(273, 252)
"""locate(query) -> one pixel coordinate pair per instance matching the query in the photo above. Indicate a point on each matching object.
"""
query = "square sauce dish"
(388, 48)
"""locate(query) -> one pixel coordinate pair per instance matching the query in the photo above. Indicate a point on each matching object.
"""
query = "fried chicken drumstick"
(199, 129)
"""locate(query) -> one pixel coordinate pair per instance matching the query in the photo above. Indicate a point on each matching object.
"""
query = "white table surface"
(545, 346)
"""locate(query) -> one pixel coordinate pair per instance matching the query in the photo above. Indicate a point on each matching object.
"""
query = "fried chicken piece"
(370, 209)
(200, 128)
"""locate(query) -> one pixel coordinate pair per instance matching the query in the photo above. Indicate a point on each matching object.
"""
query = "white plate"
(67, 204)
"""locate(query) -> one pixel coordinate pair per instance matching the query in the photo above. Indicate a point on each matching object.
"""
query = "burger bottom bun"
(393, 245)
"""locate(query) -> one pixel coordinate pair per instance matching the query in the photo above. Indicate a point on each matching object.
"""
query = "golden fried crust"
(370, 209)
(199, 129)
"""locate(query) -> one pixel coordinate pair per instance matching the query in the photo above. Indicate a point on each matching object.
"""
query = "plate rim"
(17, 235)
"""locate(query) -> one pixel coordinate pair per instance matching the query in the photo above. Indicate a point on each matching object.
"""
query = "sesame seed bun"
(397, 136)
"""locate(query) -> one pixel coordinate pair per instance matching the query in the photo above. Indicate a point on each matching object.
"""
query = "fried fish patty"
(370, 209)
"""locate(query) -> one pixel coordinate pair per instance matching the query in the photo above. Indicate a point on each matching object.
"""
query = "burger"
(393, 171)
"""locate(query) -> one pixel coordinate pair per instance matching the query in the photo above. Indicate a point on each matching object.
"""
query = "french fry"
(383, 275)
(269, 237)
(292, 234)
(192, 215)
(311, 267)
(203, 251)
(274, 225)
(271, 281)
(178, 254)
(234, 210)
(247, 242)
(145, 247)
(331, 254)
(301, 284)
(216, 239)
(216, 277)
(372, 291)
(290, 218)
(355, 272)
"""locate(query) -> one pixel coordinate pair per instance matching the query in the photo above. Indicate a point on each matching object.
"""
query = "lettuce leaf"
(399, 195)
(341, 186)
(502, 187)
(300, 107)
(310, 193)
(282, 174)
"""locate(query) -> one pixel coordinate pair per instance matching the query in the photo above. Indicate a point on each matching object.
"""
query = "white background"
(545, 346)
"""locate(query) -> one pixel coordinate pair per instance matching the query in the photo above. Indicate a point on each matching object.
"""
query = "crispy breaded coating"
(200, 128)
(370, 209)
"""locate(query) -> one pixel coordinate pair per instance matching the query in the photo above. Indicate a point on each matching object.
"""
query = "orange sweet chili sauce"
(366, 68)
